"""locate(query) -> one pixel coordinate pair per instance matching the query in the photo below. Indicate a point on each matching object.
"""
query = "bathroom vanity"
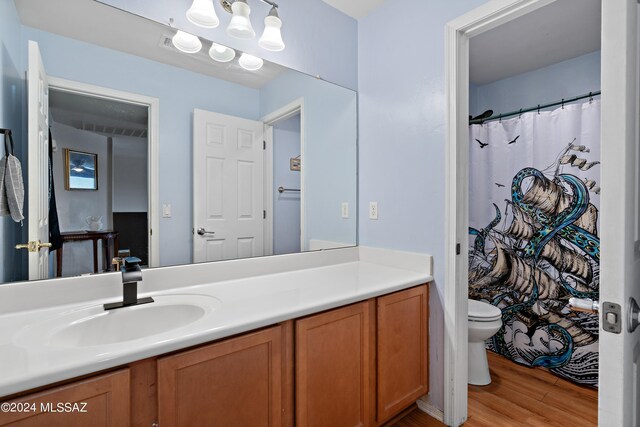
(334, 337)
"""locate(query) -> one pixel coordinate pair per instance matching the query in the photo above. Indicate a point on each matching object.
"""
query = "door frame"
(282, 113)
(457, 35)
(153, 138)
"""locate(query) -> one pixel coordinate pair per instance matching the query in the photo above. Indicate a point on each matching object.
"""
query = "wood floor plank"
(502, 405)
(585, 391)
(580, 408)
(526, 381)
(554, 416)
(499, 361)
(417, 418)
(480, 411)
(522, 396)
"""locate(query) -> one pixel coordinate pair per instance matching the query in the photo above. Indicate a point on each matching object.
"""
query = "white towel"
(12, 187)
(4, 203)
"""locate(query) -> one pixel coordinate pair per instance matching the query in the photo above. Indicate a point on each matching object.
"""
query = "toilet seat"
(480, 311)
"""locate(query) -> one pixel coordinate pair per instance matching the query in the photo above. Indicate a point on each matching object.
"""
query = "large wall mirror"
(190, 160)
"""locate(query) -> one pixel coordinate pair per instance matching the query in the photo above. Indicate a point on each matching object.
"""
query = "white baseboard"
(428, 408)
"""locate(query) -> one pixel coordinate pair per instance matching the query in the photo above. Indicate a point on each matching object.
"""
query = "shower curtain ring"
(520, 115)
(563, 103)
(590, 97)
(538, 109)
(500, 118)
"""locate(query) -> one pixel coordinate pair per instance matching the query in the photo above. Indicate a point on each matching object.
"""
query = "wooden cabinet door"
(237, 382)
(99, 401)
(334, 366)
(402, 371)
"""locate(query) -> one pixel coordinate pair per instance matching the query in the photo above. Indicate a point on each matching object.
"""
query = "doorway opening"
(115, 216)
(284, 181)
(523, 68)
(286, 177)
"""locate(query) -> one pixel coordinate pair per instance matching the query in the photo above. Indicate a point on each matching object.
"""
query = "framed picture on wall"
(81, 170)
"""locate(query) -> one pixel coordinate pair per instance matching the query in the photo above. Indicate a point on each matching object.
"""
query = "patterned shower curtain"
(534, 198)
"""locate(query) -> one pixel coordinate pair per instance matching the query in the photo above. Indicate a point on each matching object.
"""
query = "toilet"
(485, 320)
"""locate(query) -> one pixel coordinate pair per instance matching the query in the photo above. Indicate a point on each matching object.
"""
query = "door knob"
(633, 319)
(33, 246)
(201, 231)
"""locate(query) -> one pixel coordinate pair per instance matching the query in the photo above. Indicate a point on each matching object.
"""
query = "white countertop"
(312, 282)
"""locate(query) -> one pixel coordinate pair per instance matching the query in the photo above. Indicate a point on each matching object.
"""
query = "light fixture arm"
(226, 4)
(270, 3)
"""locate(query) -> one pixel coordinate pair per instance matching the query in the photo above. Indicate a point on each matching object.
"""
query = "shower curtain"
(533, 227)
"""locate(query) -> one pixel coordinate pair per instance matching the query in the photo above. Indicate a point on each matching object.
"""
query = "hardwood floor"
(521, 396)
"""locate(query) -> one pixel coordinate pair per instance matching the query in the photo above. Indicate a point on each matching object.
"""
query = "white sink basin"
(93, 326)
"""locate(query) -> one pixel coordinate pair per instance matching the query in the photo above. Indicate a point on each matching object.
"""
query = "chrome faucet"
(131, 275)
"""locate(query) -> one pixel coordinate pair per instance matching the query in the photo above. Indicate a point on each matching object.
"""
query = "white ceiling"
(105, 26)
(355, 8)
(97, 114)
(559, 31)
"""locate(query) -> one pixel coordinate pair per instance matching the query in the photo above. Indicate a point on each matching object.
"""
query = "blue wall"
(566, 79)
(319, 39)
(286, 206)
(401, 93)
(11, 95)
(329, 159)
(179, 91)
(330, 130)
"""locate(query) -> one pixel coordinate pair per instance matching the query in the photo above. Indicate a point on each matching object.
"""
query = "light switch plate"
(345, 210)
(166, 210)
(373, 210)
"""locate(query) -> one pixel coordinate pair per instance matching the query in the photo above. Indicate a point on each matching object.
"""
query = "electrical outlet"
(373, 210)
(345, 210)
(166, 210)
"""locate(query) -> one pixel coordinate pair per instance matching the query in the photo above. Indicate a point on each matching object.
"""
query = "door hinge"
(457, 248)
(151, 232)
(264, 214)
(264, 145)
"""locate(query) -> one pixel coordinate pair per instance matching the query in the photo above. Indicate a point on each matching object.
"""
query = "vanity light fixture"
(202, 14)
(240, 25)
(250, 62)
(272, 38)
(187, 43)
(221, 53)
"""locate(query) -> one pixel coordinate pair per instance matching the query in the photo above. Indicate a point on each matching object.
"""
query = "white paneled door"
(619, 375)
(38, 164)
(227, 187)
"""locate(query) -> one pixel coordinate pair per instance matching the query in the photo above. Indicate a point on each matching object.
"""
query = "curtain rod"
(538, 108)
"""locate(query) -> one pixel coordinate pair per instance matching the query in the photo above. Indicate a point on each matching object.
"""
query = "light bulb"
(271, 38)
(221, 53)
(203, 14)
(240, 25)
(250, 62)
(187, 43)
